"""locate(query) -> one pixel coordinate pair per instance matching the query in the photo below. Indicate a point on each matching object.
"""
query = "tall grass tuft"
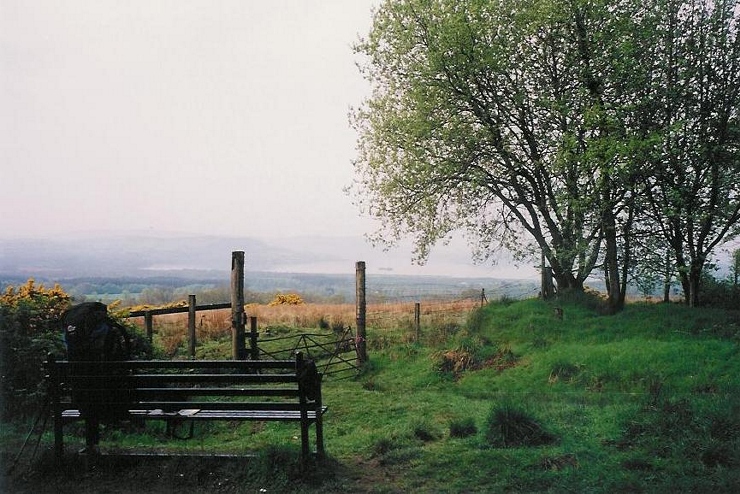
(508, 426)
(563, 371)
(463, 428)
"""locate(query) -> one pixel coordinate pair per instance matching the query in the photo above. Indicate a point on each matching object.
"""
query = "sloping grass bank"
(517, 400)
(644, 401)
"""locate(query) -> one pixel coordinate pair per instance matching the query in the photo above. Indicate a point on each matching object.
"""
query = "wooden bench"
(175, 390)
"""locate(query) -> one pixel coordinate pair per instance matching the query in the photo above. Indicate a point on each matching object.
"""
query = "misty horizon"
(141, 253)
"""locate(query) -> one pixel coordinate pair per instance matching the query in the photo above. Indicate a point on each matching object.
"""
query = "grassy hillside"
(516, 400)
(647, 400)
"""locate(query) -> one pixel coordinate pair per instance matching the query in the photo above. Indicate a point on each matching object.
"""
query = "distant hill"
(109, 264)
(139, 255)
(147, 254)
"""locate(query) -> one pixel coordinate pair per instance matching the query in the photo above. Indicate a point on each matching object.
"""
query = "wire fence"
(439, 290)
(410, 309)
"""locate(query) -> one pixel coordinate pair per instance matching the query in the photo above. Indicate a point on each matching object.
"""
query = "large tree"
(523, 122)
(499, 118)
(692, 121)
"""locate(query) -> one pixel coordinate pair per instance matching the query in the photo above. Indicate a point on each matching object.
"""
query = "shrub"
(141, 347)
(588, 299)
(466, 355)
(441, 332)
(508, 426)
(718, 293)
(286, 299)
(29, 330)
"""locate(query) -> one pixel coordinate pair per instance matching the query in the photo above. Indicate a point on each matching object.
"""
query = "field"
(214, 327)
(509, 398)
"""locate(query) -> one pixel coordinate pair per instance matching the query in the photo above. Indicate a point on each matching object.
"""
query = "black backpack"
(92, 335)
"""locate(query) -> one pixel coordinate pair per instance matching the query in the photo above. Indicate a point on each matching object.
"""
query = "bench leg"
(58, 436)
(319, 436)
(304, 441)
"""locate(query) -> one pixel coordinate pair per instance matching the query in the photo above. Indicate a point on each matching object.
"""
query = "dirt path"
(157, 474)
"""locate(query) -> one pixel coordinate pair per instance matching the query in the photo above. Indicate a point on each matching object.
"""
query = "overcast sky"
(225, 117)
(212, 117)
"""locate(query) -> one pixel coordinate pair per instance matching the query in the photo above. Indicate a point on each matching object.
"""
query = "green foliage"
(475, 321)
(29, 330)
(570, 129)
(722, 294)
(141, 347)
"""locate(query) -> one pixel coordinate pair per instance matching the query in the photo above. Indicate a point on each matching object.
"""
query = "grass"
(644, 401)
(397, 319)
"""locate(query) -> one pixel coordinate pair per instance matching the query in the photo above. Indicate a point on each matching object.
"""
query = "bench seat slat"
(153, 379)
(223, 405)
(284, 415)
(188, 364)
(182, 392)
(190, 404)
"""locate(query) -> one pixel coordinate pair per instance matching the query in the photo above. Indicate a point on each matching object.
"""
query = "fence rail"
(177, 310)
(329, 351)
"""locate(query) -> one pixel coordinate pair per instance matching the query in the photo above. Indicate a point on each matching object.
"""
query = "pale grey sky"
(225, 117)
(214, 117)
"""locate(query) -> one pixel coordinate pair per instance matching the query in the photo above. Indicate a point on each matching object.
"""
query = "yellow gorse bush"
(40, 306)
(287, 299)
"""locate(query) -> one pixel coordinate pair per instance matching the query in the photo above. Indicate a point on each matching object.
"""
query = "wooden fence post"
(238, 318)
(253, 335)
(191, 326)
(361, 306)
(149, 323)
(417, 320)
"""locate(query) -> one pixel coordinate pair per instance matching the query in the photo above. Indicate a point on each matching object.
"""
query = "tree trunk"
(666, 291)
(667, 278)
(615, 300)
(565, 281)
(627, 253)
(690, 276)
(694, 282)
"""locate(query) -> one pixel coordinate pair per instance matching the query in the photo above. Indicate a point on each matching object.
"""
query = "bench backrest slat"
(183, 384)
(144, 393)
(222, 405)
(188, 364)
